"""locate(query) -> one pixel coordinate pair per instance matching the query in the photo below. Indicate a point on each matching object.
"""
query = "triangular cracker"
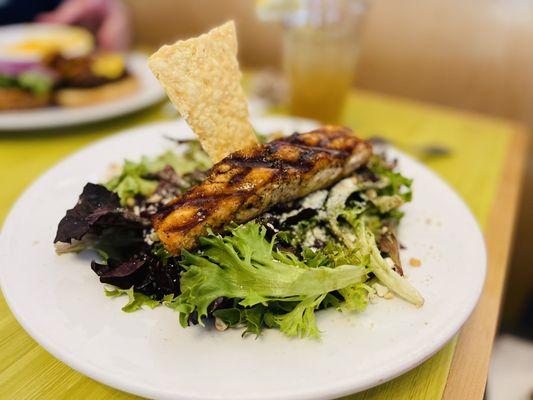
(202, 79)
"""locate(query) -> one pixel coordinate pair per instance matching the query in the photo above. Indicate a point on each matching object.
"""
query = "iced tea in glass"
(320, 52)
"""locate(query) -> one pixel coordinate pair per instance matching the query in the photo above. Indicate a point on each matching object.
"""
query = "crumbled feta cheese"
(340, 193)
(372, 298)
(315, 200)
(283, 217)
(322, 215)
(272, 227)
(381, 290)
(320, 233)
(312, 235)
(309, 239)
(155, 198)
(151, 237)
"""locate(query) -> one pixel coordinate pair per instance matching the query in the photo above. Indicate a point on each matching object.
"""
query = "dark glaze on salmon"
(249, 182)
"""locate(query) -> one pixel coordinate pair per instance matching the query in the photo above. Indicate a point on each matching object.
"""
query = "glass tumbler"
(320, 50)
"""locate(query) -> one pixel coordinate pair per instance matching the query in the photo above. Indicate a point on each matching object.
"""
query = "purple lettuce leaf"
(97, 208)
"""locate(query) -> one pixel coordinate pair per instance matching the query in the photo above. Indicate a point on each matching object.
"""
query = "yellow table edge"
(469, 369)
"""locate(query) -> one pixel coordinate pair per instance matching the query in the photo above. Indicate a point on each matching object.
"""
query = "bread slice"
(20, 99)
(77, 97)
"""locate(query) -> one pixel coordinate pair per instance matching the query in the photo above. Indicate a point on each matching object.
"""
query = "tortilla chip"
(202, 79)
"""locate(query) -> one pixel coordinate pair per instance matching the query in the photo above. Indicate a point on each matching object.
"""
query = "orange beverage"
(319, 56)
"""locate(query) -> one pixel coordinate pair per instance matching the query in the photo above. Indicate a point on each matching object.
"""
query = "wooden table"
(485, 167)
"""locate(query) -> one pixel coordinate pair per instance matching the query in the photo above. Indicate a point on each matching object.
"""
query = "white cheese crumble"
(312, 235)
(340, 193)
(283, 217)
(381, 290)
(151, 237)
(315, 200)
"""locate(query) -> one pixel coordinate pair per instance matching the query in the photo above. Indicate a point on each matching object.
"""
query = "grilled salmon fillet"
(249, 182)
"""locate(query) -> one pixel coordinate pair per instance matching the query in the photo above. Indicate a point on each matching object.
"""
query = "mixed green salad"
(335, 248)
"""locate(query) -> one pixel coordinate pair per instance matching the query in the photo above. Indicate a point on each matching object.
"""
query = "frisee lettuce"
(136, 300)
(397, 184)
(244, 265)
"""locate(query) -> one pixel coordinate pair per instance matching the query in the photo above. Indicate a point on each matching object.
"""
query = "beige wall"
(475, 54)
(163, 21)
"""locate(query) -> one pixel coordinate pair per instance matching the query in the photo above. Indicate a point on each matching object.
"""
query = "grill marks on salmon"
(248, 182)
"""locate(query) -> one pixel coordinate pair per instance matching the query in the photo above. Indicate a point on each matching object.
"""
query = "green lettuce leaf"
(397, 183)
(38, 83)
(355, 297)
(136, 300)
(130, 182)
(133, 181)
(383, 270)
(7, 81)
(301, 320)
(243, 265)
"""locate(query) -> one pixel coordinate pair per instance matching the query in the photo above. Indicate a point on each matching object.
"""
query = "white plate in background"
(148, 93)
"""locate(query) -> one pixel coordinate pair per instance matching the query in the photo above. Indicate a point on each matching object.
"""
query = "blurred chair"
(474, 55)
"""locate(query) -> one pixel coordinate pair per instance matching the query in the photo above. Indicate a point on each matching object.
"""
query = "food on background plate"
(91, 79)
(263, 238)
(33, 41)
(25, 84)
(56, 74)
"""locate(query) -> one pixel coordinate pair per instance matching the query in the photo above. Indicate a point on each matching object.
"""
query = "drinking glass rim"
(302, 15)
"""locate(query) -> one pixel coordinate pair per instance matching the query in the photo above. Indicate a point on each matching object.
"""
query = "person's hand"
(108, 19)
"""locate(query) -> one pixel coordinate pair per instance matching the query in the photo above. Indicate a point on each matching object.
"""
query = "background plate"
(149, 93)
(60, 302)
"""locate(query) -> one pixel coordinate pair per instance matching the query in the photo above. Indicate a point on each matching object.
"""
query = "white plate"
(60, 302)
(149, 93)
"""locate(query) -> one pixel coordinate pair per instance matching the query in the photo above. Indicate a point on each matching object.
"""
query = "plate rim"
(341, 388)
